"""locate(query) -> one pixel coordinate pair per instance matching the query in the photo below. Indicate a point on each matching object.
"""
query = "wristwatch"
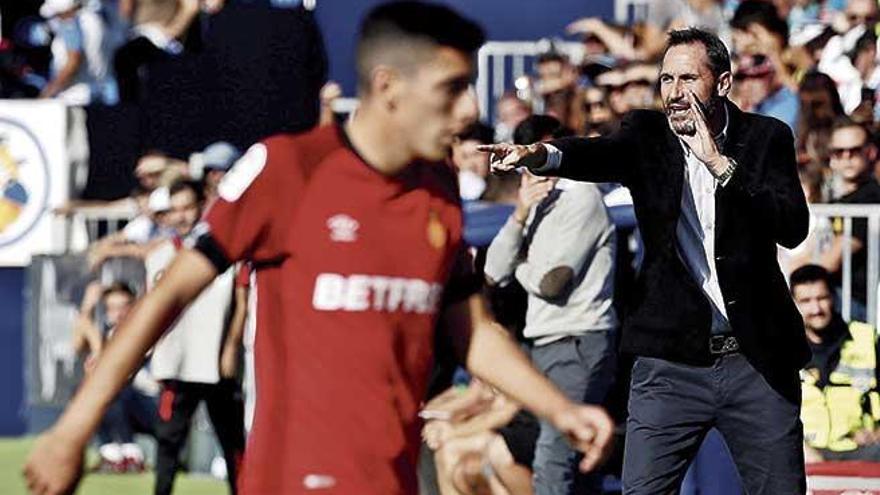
(728, 173)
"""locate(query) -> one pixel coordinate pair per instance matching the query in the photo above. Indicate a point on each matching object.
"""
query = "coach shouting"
(718, 338)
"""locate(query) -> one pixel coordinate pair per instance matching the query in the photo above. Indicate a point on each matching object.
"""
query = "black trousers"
(672, 406)
(176, 407)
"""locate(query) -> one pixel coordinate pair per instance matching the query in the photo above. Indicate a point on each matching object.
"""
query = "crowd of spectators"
(812, 64)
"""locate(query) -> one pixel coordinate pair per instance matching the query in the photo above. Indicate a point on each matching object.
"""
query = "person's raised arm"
(54, 464)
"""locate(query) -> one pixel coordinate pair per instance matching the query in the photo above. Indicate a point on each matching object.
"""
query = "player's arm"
(491, 354)
(54, 464)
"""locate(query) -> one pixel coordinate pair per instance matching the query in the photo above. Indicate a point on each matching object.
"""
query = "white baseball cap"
(160, 200)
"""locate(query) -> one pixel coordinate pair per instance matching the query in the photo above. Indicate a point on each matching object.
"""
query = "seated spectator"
(840, 387)
(466, 430)
(852, 158)
(217, 159)
(134, 409)
(472, 165)
(81, 50)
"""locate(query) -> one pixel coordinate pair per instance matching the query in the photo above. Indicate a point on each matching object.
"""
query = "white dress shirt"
(695, 231)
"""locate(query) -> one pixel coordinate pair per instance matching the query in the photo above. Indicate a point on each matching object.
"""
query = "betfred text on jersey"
(335, 292)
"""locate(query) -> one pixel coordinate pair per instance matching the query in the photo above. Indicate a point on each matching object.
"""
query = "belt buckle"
(723, 344)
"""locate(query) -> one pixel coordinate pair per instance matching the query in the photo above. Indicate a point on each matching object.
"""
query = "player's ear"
(385, 86)
(724, 83)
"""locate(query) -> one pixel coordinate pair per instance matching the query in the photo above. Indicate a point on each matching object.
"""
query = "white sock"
(132, 451)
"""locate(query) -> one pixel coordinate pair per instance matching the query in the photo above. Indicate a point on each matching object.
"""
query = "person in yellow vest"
(841, 405)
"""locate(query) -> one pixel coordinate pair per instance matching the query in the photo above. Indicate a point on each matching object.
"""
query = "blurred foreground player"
(356, 239)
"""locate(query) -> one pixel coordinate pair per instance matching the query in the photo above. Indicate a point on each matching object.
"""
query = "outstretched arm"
(54, 464)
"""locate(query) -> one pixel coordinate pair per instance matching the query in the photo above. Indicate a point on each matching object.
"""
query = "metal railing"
(847, 213)
(501, 63)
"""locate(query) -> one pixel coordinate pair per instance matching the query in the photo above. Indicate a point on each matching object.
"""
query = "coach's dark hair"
(537, 127)
(809, 274)
(187, 184)
(719, 57)
(403, 25)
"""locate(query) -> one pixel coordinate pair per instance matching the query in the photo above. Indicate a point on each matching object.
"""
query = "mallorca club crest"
(24, 182)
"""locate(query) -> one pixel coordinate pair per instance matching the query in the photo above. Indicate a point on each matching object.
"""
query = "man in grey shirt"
(560, 246)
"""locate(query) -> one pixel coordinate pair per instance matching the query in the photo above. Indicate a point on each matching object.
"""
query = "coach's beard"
(679, 116)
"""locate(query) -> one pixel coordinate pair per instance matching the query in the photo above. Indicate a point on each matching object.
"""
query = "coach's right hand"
(504, 157)
(54, 465)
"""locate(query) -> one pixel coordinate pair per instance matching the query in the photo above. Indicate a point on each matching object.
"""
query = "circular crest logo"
(24, 181)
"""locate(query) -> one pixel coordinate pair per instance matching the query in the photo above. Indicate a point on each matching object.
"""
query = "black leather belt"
(720, 345)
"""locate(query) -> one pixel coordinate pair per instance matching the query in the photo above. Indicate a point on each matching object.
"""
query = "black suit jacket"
(668, 314)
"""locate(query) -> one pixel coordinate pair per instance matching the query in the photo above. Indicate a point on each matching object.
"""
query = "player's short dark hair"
(187, 184)
(809, 274)
(118, 287)
(762, 13)
(537, 127)
(479, 132)
(403, 25)
(719, 57)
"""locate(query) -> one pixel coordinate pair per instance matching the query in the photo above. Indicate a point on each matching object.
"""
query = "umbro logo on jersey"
(343, 228)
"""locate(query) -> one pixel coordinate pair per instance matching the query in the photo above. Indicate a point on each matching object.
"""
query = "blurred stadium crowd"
(813, 64)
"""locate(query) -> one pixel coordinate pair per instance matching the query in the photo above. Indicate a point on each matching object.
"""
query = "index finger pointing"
(491, 148)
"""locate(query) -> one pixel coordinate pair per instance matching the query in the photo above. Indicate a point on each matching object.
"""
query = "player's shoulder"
(303, 148)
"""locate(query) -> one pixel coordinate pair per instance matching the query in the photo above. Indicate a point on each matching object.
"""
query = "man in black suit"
(718, 339)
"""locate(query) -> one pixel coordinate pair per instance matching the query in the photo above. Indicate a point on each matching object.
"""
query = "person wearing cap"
(217, 159)
(81, 53)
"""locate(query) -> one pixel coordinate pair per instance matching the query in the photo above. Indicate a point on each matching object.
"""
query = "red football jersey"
(351, 269)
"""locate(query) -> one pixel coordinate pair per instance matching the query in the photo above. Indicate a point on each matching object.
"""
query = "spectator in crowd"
(197, 358)
(759, 29)
(613, 82)
(159, 29)
(850, 57)
(820, 235)
(714, 188)
(640, 80)
(568, 272)
(599, 115)
(852, 158)
(141, 235)
(557, 86)
(134, 409)
(510, 110)
(81, 51)
(217, 159)
(840, 383)
(472, 165)
(471, 428)
(760, 91)
(820, 107)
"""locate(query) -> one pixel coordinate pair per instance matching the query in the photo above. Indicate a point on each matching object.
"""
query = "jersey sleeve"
(464, 281)
(245, 222)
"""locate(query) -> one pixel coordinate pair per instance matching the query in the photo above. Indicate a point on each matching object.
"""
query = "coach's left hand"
(589, 429)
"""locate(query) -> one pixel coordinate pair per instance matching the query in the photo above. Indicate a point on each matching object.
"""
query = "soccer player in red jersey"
(356, 238)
